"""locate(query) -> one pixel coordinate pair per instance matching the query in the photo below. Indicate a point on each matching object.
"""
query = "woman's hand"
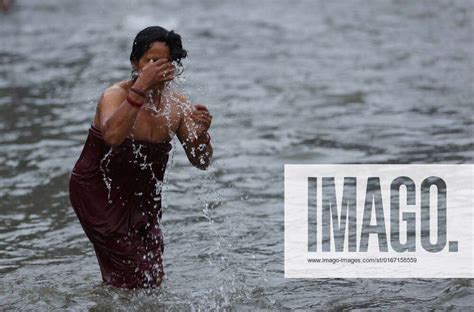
(153, 73)
(202, 118)
(192, 133)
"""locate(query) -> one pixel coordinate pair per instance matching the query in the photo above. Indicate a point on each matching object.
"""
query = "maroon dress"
(116, 194)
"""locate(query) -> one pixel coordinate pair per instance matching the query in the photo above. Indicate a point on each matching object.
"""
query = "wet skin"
(162, 116)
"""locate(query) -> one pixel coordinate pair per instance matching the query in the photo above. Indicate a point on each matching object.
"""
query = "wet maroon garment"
(116, 194)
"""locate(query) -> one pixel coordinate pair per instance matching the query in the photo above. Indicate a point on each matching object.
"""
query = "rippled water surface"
(286, 81)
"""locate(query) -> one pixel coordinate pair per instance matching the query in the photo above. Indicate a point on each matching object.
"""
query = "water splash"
(104, 168)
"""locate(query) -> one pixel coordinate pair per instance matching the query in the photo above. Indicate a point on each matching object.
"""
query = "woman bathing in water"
(115, 186)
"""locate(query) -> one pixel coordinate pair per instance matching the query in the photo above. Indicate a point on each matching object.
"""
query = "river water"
(286, 81)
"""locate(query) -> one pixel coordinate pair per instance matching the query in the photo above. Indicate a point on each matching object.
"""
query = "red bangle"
(133, 103)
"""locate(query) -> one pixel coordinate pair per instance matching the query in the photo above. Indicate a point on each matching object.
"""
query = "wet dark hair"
(147, 36)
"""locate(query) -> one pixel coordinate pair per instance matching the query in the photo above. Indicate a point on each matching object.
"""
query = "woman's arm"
(192, 133)
(116, 114)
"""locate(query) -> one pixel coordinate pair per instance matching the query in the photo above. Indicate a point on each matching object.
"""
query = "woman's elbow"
(202, 164)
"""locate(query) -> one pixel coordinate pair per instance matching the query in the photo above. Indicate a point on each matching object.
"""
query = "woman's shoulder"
(113, 95)
(118, 91)
(180, 103)
(178, 96)
(121, 87)
(179, 99)
(111, 98)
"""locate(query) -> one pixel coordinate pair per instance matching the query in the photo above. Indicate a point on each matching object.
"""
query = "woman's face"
(156, 51)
